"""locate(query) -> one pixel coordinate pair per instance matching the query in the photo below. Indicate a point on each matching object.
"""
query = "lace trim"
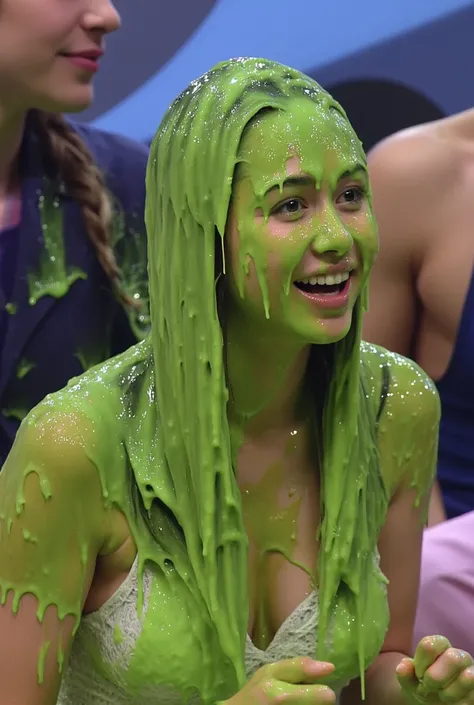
(111, 632)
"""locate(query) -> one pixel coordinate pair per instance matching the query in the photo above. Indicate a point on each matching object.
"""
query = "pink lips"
(85, 60)
(332, 301)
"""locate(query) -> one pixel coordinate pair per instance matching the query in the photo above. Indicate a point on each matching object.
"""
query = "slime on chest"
(153, 423)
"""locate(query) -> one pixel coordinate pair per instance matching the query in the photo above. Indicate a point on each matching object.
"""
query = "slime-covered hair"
(189, 185)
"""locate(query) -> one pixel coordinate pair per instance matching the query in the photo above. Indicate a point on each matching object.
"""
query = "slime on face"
(212, 122)
(153, 425)
(320, 143)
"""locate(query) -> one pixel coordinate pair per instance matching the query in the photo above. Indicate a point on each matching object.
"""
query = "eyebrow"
(292, 181)
(309, 181)
(355, 169)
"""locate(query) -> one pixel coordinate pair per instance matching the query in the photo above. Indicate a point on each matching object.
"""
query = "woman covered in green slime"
(212, 515)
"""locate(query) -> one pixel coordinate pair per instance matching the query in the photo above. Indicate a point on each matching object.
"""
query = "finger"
(300, 670)
(306, 695)
(406, 674)
(427, 652)
(446, 669)
(459, 690)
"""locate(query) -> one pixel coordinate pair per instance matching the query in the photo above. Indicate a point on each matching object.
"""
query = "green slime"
(52, 276)
(151, 427)
(276, 535)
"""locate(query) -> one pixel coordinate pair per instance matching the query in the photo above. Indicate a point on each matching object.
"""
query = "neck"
(266, 377)
(11, 134)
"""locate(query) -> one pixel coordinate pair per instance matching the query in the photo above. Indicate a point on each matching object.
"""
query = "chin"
(74, 100)
(330, 330)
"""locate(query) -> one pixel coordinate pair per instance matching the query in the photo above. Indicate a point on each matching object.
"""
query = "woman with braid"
(72, 244)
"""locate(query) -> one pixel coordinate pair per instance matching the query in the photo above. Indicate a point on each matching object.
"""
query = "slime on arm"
(151, 428)
(183, 457)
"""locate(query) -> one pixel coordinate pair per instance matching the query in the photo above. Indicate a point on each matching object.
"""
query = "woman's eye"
(291, 207)
(352, 196)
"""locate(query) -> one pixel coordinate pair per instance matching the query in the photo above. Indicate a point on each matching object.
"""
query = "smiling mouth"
(324, 284)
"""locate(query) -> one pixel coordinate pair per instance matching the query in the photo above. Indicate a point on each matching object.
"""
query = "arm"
(408, 446)
(436, 513)
(404, 173)
(51, 530)
(391, 318)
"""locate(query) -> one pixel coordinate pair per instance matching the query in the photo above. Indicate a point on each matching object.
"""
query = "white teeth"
(326, 279)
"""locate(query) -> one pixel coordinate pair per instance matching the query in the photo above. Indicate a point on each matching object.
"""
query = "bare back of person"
(423, 191)
(423, 187)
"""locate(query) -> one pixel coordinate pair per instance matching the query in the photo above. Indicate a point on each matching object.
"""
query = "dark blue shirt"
(456, 441)
(8, 253)
(55, 335)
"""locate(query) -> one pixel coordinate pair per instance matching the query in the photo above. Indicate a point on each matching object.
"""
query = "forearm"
(381, 684)
(436, 514)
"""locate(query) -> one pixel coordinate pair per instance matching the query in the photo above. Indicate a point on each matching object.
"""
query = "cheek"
(287, 244)
(240, 269)
(254, 264)
(366, 237)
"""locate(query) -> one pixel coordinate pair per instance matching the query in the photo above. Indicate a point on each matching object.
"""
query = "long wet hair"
(189, 189)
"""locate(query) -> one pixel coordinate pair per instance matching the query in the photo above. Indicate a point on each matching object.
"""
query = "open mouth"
(325, 284)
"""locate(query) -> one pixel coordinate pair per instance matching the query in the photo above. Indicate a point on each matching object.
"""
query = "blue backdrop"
(424, 46)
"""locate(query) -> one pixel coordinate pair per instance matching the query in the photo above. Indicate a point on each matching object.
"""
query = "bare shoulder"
(427, 151)
(52, 503)
(415, 175)
(61, 440)
(58, 431)
(50, 464)
(81, 426)
(409, 389)
(408, 426)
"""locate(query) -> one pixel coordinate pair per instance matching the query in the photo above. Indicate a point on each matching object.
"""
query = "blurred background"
(391, 64)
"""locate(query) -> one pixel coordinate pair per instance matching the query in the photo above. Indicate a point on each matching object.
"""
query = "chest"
(163, 653)
(279, 486)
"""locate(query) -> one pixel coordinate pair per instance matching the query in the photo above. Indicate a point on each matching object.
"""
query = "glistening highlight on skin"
(151, 425)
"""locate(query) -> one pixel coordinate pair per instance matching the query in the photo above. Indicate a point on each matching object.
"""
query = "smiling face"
(301, 236)
(49, 52)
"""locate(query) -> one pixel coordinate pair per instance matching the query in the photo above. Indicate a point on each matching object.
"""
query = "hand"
(294, 682)
(437, 674)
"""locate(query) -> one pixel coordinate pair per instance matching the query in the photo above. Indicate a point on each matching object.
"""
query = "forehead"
(317, 135)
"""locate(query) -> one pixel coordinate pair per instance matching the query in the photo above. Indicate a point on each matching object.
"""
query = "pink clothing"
(446, 601)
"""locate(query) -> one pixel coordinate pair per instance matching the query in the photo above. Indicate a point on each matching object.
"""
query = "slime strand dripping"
(53, 277)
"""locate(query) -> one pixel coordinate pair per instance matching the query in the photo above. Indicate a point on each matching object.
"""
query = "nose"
(101, 16)
(331, 237)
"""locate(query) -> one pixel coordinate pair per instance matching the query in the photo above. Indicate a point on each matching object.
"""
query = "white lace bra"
(103, 650)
